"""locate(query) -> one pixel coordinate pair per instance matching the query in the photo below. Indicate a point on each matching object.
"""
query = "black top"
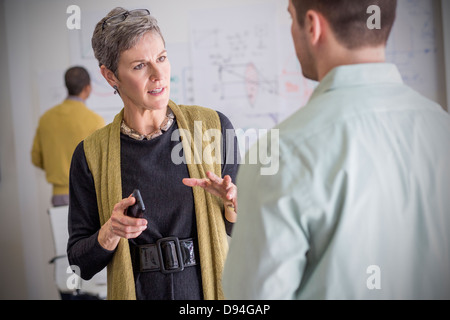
(146, 165)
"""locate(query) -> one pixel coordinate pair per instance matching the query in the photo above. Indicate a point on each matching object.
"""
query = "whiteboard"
(239, 59)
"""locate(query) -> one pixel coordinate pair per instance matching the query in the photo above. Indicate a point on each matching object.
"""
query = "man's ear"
(109, 76)
(314, 26)
(89, 88)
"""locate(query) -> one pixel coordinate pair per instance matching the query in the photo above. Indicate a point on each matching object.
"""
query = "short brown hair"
(76, 79)
(348, 19)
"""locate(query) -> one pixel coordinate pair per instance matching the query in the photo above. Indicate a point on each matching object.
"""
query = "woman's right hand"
(120, 225)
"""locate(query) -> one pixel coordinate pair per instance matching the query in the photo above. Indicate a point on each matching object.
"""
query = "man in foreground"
(360, 208)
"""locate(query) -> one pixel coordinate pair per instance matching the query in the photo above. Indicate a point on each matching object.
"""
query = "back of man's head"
(348, 19)
(76, 79)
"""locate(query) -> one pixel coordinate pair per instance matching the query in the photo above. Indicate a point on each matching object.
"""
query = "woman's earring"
(115, 89)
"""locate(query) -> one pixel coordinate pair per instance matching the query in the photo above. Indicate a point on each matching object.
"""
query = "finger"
(124, 204)
(131, 221)
(132, 235)
(120, 221)
(192, 182)
(227, 178)
(213, 177)
(133, 229)
(129, 233)
(227, 182)
(230, 188)
(124, 225)
(232, 193)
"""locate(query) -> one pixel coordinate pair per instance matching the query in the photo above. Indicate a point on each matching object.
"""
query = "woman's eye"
(139, 66)
(162, 59)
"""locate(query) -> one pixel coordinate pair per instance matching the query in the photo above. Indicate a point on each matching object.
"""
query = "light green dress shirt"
(360, 205)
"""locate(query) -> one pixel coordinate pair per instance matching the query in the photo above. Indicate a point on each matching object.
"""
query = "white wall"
(34, 39)
(12, 272)
(29, 195)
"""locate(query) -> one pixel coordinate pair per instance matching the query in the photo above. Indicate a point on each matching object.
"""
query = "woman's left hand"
(223, 188)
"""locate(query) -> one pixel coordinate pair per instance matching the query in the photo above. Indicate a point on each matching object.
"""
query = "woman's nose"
(156, 74)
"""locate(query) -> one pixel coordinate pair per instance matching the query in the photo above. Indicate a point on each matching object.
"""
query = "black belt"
(167, 255)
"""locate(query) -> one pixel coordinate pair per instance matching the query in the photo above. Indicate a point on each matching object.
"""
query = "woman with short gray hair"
(109, 42)
(176, 247)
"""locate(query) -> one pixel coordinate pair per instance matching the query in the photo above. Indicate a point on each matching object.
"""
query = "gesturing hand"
(223, 188)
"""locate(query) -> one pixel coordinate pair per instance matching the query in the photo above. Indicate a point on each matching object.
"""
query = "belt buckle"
(179, 255)
(148, 258)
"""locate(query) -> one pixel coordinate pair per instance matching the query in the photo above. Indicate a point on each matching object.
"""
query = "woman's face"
(144, 74)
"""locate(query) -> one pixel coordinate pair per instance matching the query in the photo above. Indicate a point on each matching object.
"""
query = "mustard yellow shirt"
(59, 131)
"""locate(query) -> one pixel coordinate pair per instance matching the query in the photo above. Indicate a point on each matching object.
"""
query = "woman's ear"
(109, 76)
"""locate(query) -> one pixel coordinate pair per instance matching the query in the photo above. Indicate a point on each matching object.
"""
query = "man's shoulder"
(97, 119)
(91, 113)
(51, 112)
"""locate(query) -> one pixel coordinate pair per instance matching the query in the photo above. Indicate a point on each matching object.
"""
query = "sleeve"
(267, 255)
(83, 248)
(230, 156)
(36, 151)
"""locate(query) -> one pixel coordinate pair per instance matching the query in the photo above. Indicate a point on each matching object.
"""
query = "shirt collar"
(165, 125)
(358, 75)
(75, 98)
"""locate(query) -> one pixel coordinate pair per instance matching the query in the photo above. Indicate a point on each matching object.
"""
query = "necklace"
(165, 125)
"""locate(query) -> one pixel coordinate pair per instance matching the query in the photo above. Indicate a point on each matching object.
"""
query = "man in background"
(360, 207)
(61, 129)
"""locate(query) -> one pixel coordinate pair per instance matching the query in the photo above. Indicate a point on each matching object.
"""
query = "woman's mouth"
(156, 92)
